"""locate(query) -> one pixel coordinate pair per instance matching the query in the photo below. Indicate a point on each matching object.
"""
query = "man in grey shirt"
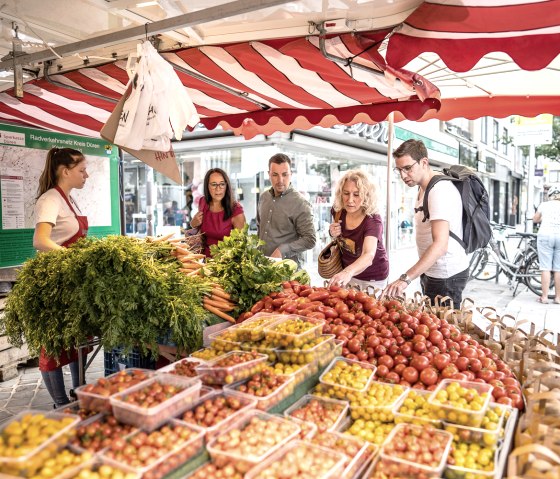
(284, 217)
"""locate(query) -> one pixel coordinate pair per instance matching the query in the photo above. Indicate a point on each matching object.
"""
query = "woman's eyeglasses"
(215, 186)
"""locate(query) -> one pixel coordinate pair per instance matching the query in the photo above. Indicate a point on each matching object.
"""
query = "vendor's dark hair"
(56, 157)
(228, 201)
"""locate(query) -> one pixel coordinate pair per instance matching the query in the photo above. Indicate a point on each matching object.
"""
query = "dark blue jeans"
(452, 287)
(54, 382)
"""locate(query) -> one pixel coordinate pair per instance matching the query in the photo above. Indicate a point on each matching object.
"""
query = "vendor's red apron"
(49, 363)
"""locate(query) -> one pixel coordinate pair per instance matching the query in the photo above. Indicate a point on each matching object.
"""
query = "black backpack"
(476, 210)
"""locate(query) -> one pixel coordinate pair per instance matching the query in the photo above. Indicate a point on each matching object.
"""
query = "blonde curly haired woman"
(360, 229)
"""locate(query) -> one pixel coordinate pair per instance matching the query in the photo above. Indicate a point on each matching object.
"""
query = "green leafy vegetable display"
(126, 291)
(243, 270)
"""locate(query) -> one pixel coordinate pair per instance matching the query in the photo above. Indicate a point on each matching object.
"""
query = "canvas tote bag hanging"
(330, 258)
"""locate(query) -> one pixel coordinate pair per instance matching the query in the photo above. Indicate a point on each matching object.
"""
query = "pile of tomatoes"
(409, 346)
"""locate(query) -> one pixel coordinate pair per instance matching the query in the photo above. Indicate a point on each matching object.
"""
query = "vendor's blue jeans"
(54, 382)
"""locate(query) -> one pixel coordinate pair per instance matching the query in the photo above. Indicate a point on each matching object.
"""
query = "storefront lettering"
(377, 132)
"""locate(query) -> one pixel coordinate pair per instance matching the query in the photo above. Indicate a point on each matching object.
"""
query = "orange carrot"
(219, 313)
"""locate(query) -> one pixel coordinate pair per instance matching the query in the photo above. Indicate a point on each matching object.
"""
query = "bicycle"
(489, 262)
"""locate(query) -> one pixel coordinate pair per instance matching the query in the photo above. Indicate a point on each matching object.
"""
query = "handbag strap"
(336, 218)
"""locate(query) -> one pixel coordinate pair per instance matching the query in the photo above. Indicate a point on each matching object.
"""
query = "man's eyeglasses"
(405, 169)
(217, 185)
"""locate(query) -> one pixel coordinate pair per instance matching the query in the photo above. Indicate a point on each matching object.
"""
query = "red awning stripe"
(216, 99)
(33, 115)
(475, 29)
(225, 68)
(77, 80)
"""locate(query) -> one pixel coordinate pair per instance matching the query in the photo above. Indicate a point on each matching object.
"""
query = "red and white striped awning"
(261, 87)
(252, 87)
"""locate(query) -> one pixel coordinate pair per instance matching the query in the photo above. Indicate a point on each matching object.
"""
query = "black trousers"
(452, 287)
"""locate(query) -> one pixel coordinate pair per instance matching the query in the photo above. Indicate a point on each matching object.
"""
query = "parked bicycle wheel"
(483, 266)
(533, 282)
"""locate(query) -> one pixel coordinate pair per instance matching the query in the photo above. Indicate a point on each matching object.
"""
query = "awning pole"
(390, 121)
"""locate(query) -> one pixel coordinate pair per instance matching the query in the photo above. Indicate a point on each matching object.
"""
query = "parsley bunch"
(243, 270)
(126, 291)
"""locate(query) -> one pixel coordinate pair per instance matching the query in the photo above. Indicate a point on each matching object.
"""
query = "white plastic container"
(229, 447)
(264, 403)
(321, 463)
(213, 372)
(311, 328)
(447, 412)
(339, 411)
(27, 465)
(340, 390)
(120, 383)
(150, 418)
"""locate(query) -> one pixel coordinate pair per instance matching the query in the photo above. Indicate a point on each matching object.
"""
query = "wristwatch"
(404, 277)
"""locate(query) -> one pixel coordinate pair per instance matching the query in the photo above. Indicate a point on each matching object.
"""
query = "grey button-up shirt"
(286, 222)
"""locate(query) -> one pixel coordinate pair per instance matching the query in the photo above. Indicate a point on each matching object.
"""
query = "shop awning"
(449, 58)
(277, 85)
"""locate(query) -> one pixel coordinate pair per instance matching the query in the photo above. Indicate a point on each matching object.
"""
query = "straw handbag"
(330, 258)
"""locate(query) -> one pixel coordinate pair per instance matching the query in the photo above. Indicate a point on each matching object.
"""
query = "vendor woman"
(59, 222)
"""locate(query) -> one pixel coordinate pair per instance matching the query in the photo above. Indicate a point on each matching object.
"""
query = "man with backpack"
(443, 266)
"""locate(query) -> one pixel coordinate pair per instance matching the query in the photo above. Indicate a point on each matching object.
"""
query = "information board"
(23, 152)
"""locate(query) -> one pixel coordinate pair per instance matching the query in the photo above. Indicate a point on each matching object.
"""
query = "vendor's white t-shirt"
(52, 208)
(444, 203)
(550, 223)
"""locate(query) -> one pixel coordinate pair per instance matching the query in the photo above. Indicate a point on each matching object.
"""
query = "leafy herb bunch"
(243, 270)
(126, 291)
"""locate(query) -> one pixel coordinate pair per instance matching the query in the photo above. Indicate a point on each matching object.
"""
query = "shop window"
(484, 130)
(495, 135)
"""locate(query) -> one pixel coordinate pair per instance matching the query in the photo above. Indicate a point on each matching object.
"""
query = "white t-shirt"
(444, 203)
(550, 223)
(52, 208)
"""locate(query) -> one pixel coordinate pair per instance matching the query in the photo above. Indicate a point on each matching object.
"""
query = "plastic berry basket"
(341, 390)
(456, 472)
(253, 328)
(300, 372)
(373, 405)
(28, 464)
(211, 431)
(446, 411)
(76, 409)
(100, 403)
(225, 340)
(182, 452)
(260, 347)
(413, 469)
(207, 354)
(150, 418)
(176, 367)
(264, 403)
(90, 468)
(315, 351)
(308, 429)
(486, 437)
(309, 329)
(249, 454)
(357, 452)
(321, 463)
(420, 416)
(77, 443)
(214, 373)
(340, 409)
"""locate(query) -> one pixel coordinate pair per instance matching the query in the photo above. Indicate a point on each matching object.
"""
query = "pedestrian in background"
(360, 230)
(548, 243)
(443, 266)
(284, 216)
(59, 223)
(218, 211)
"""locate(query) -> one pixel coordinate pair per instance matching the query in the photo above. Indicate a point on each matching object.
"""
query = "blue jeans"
(54, 382)
(452, 287)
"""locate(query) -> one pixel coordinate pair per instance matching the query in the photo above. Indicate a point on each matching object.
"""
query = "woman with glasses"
(360, 231)
(218, 212)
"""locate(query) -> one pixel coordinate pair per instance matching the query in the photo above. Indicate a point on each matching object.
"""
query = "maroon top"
(354, 242)
(213, 225)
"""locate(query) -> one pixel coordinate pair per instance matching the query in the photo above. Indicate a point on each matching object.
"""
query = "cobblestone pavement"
(27, 390)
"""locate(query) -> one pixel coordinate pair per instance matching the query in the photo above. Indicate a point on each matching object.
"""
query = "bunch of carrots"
(218, 301)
